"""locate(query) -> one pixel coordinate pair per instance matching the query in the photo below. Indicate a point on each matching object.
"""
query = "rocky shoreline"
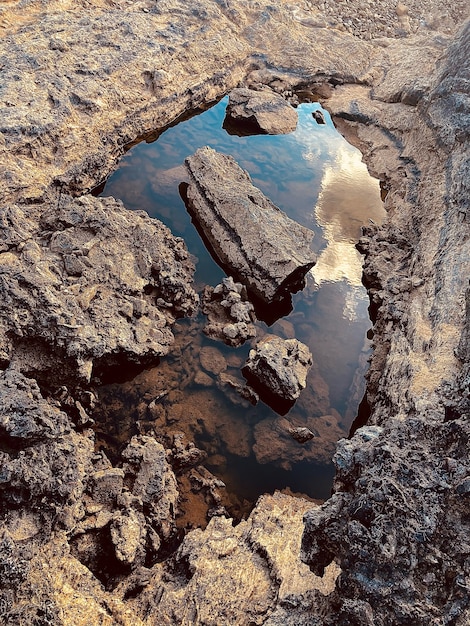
(89, 287)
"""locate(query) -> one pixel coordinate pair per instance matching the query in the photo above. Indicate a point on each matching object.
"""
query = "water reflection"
(320, 181)
(348, 198)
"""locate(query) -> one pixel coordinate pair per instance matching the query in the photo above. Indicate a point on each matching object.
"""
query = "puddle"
(320, 181)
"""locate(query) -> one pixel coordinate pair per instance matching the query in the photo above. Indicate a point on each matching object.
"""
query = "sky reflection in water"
(320, 181)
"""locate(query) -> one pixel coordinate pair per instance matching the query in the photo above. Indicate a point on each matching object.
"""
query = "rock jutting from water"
(277, 369)
(251, 112)
(230, 315)
(251, 238)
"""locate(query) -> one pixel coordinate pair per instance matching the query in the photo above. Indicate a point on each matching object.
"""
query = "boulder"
(80, 285)
(277, 369)
(251, 112)
(250, 237)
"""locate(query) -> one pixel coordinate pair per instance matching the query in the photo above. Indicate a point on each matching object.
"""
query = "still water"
(319, 180)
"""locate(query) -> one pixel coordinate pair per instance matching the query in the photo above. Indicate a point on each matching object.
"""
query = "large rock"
(87, 284)
(277, 368)
(257, 559)
(252, 238)
(252, 112)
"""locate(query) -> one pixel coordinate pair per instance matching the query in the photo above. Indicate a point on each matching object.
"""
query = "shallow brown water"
(320, 181)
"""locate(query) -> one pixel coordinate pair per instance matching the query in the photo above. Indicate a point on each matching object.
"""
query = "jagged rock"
(185, 455)
(42, 458)
(230, 315)
(277, 368)
(25, 416)
(393, 502)
(154, 482)
(128, 535)
(259, 561)
(301, 434)
(251, 112)
(55, 325)
(251, 237)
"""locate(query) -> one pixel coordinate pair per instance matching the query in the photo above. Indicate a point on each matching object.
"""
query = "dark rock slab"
(251, 112)
(277, 369)
(251, 238)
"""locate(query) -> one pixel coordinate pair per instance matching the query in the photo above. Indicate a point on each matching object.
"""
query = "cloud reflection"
(349, 197)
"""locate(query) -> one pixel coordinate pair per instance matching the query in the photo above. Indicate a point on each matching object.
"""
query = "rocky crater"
(89, 289)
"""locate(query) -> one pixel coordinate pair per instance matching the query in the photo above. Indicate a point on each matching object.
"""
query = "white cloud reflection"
(348, 198)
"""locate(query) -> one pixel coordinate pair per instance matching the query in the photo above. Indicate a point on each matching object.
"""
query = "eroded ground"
(79, 83)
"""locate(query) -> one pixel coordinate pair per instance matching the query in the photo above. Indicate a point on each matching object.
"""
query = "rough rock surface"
(230, 315)
(87, 283)
(397, 520)
(251, 112)
(251, 237)
(278, 369)
(259, 557)
(79, 83)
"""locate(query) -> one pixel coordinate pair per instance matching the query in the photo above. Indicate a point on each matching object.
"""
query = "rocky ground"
(87, 286)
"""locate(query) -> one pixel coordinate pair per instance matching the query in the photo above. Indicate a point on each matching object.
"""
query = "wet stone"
(301, 434)
(278, 368)
(212, 360)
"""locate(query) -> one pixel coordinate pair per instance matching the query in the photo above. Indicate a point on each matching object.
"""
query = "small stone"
(318, 117)
(301, 434)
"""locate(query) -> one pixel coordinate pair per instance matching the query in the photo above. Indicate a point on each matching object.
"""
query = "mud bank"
(87, 540)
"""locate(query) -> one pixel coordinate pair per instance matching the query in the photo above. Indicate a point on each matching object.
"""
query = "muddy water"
(320, 181)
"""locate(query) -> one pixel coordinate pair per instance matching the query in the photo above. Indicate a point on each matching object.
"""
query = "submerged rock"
(277, 368)
(251, 112)
(277, 440)
(252, 238)
(301, 434)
